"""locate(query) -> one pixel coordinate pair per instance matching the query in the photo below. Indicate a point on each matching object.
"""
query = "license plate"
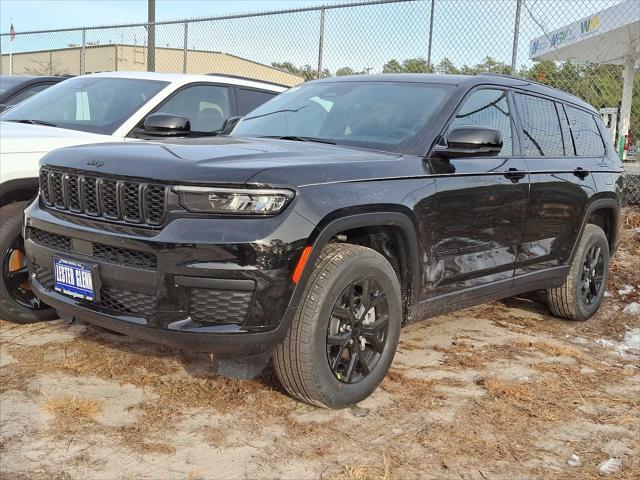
(74, 278)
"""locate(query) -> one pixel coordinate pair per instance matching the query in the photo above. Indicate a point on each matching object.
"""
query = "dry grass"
(507, 390)
(365, 471)
(70, 410)
(552, 349)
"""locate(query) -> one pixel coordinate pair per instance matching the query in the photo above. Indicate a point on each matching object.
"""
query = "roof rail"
(240, 77)
(514, 77)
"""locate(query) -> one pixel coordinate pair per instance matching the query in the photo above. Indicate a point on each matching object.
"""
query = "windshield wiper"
(274, 112)
(300, 139)
(34, 122)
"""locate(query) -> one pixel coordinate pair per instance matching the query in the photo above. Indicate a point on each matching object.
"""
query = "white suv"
(98, 108)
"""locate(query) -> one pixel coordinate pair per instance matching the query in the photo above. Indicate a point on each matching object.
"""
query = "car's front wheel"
(17, 301)
(345, 332)
(583, 290)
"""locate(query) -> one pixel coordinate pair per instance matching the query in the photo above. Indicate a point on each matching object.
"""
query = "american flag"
(12, 33)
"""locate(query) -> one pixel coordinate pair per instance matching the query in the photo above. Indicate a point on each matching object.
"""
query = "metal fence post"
(516, 33)
(151, 36)
(184, 48)
(82, 52)
(433, 6)
(320, 45)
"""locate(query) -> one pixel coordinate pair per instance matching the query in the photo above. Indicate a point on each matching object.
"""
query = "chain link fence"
(387, 36)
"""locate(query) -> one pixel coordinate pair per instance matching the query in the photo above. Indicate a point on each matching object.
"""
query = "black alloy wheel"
(357, 330)
(592, 274)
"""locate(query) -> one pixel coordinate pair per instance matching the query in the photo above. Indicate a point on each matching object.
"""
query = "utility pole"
(321, 43)
(151, 35)
(433, 7)
(516, 33)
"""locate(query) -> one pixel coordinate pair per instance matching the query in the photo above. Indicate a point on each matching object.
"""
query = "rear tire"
(583, 290)
(345, 332)
(18, 304)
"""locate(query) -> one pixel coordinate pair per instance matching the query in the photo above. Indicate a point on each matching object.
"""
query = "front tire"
(18, 303)
(345, 332)
(583, 290)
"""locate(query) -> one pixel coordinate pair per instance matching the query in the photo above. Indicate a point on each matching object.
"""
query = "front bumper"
(202, 284)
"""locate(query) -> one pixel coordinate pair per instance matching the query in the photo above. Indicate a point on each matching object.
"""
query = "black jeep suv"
(335, 214)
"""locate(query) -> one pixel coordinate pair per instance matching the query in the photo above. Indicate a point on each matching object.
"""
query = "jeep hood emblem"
(95, 163)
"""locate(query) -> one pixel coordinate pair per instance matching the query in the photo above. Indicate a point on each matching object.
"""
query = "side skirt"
(432, 307)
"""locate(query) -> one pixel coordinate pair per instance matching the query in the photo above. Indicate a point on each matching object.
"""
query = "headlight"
(233, 200)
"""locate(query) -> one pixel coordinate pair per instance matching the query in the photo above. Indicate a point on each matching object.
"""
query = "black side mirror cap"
(229, 124)
(166, 125)
(471, 141)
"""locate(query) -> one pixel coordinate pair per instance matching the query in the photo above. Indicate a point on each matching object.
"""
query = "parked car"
(335, 214)
(104, 107)
(16, 88)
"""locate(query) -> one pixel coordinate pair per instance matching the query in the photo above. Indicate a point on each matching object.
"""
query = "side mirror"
(166, 125)
(471, 141)
(229, 124)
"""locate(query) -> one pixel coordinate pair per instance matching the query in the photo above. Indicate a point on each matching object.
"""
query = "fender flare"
(22, 185)
(328, 229)
(609, 203)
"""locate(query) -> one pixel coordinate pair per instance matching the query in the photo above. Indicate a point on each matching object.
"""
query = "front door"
(481, 204)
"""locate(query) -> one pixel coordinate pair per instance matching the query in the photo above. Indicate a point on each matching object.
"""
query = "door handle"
(581, 173)
(515, 175)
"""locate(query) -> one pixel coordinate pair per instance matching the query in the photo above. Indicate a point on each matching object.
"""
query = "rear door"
(481, 204)
(562, 145)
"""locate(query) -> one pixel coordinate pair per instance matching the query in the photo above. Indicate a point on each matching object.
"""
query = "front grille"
(111, 298)
(124, 255)
(51, 240)
(120, 255)
(117, 200)
(219, 306)
(130, 303)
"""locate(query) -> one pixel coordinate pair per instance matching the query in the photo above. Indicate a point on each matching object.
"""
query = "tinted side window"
(586, 135)
(251, 99)
(206, 106)
(487, 108)
(540, 126)
(26, 93)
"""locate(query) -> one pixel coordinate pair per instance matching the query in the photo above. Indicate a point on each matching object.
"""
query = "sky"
(466, 31)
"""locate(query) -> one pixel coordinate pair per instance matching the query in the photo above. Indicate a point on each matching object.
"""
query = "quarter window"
(586, 135)
(251, 99)
(487, 108)
(540, 126)
(206, 107)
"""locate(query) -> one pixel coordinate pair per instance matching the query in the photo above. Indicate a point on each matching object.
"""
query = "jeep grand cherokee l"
(336, 213)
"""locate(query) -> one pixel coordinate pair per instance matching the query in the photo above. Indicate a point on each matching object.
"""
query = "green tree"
(344, 71)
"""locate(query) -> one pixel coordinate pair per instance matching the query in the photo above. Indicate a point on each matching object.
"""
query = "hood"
(227, 160)
(27, 138)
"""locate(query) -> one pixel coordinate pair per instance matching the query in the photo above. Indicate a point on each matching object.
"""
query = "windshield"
(93, 104)
(387, 116)
(8, 82)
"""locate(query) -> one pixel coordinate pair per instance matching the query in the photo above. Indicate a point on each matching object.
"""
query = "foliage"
(598, 85)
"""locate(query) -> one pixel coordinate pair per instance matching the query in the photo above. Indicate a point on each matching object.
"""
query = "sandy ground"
(501, 391)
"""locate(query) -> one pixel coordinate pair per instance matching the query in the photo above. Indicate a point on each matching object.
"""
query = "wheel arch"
(604, 212)
(17, 190)
(344, 220)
